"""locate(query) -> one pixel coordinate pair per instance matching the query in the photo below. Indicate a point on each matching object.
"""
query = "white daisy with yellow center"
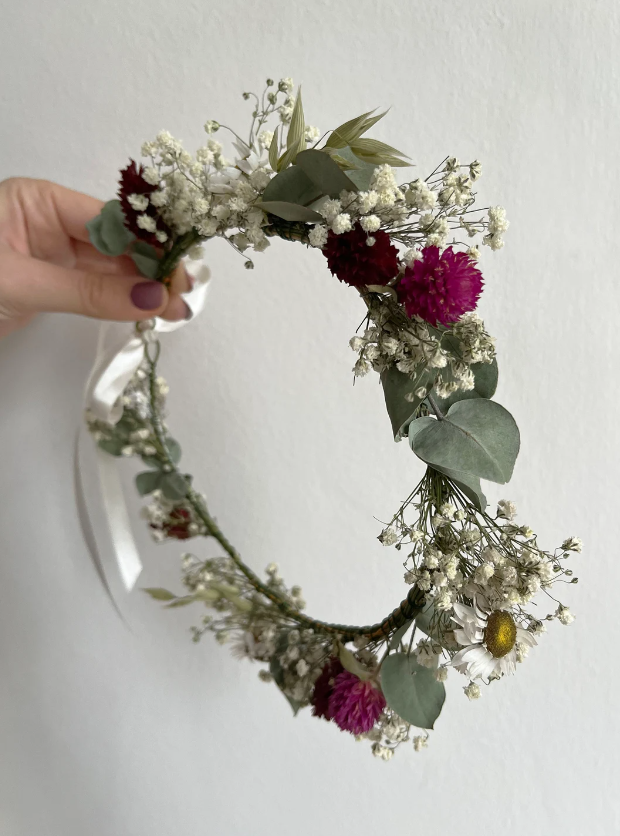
(489, 638)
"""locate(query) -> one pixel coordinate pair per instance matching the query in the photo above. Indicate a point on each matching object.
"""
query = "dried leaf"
(273, 150)
(297, 127)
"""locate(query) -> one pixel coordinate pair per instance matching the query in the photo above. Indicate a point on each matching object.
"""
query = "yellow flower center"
(500, 634)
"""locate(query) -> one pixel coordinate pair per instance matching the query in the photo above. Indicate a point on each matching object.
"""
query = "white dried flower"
(472, 691)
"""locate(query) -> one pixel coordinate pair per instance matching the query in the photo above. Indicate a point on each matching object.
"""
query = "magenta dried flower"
(441, 286)
(355, 704)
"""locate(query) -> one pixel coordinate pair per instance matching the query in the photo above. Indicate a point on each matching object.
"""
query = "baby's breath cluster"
(417, 214)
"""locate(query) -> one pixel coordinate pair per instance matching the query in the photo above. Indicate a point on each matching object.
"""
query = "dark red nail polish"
(147, 295)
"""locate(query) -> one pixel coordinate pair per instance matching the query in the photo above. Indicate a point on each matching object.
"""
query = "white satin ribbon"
(117, 359)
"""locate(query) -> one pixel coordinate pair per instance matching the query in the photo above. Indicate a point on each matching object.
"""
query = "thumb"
(29, 286)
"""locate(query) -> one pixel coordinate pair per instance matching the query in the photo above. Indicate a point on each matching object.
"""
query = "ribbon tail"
(86, 521)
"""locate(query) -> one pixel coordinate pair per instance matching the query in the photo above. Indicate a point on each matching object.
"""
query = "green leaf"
(345, 165)
(436, 625)
(273, 150)
(485, 378)
(289, 211)
(276, 670)
(173, 486)
(411, 690)
(468, 484)
(297, 127)
(398, 635)
(290, 155)
(291, 186)
(382, 159)
(324, 172)
(159, 594)
(108, 232)
(477, 437)
(145, 257)
(400, 398)
(181, 602)
(362, 177)
(174, 449)
(373, 146)
(113, 446)
(347, 132)
(152, 461)
(148, 481)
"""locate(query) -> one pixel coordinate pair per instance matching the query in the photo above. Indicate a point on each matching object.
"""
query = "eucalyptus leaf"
(345, 165)
(436, 625)
(485, 378)
(468, 484)
(289, 211)
(152, 461)
(148, 481)
(173, 486)
(113, 446)
(174, 449)
(411, 690)
(476, 437)
(276, 670)
(324, 172)
(401, 400)
(145, 257)
(291, 186)
(108, 232)
(159, 594)
(362, 176)
(398, 635)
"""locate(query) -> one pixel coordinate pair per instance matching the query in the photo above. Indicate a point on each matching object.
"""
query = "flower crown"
(472, 575)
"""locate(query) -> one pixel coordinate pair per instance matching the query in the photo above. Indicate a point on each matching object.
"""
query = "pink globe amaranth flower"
(440, 287)
(324, 686)
(355, 704)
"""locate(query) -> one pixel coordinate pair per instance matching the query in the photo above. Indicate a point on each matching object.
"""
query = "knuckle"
(92, 292)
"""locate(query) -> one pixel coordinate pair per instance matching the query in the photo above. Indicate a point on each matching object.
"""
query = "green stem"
(175, 253)
(407, 609)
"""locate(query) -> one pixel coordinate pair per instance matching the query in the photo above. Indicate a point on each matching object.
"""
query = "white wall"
(110, 731)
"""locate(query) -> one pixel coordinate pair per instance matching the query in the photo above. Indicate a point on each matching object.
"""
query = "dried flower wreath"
(471, 574)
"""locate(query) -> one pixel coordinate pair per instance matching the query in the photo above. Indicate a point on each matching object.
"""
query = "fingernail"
(147, 295)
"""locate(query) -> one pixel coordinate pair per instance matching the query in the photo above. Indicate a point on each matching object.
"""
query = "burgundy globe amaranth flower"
(441, 286)
(351, 259)
(324, 686)
(133, 183)
(177, 525)
(355, 704)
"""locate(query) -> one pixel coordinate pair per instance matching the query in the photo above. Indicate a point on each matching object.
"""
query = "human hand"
(48, 264)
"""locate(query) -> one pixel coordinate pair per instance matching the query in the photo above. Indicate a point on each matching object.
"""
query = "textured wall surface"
(110, 730)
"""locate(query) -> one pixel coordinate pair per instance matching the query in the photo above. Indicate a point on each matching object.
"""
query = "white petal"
(464, 613)
(509, 662)
(484, 666)
(525, 637)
